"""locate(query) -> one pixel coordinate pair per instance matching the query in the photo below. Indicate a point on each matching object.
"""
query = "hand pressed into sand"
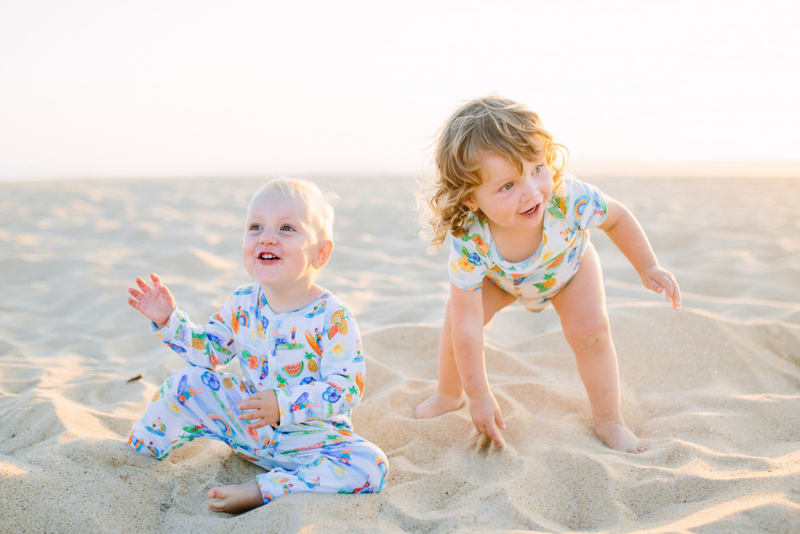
(262, 407)
(155, 303)
(486, 416)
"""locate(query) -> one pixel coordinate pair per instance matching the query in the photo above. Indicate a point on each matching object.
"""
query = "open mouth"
(267, 256)
(532, 211)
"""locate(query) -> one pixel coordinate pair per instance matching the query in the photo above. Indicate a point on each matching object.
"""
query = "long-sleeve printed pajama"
(311, 357)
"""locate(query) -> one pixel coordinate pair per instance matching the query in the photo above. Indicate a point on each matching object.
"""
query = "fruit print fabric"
(574, 207)
(317, 375)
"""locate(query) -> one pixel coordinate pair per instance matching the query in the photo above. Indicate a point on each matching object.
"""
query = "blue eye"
(286, 228)
(255, 227)
(538, 169)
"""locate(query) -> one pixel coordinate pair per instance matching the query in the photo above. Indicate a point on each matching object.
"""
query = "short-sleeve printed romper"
(574, 208)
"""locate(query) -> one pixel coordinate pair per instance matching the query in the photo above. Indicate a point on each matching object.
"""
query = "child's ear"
(323, 254)
(470, 203)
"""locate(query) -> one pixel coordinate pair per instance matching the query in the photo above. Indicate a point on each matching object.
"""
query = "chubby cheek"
(247, 252)
(248, 242)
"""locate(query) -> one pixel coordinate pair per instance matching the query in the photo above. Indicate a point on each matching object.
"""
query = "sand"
(713, 387)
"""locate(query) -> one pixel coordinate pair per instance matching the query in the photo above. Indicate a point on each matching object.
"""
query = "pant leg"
(195, 402)
(346, 464)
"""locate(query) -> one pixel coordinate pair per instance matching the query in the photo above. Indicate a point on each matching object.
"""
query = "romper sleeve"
(200, 346)
(342, 370)
(586, 206)
(468, 259)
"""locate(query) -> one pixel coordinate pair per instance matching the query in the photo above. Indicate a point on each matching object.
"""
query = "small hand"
(659, 279)
(262, 407)
(155, 303)
(486, 417)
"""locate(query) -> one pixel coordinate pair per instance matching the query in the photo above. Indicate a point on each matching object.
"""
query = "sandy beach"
(714, 387)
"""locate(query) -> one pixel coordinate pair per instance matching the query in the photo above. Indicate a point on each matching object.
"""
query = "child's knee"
(377, 468)
(192, 378)
(590, 337)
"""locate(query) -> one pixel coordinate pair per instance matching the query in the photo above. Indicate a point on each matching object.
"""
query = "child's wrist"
(165, 322)
(477, 391)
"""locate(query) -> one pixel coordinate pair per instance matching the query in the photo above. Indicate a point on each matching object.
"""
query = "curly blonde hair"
(487, 124)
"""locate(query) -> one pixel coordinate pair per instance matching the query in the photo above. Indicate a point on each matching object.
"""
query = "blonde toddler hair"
(319, 205)
(487, 124)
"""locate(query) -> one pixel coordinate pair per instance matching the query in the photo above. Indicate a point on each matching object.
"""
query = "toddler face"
(279, 246)
(511, 200)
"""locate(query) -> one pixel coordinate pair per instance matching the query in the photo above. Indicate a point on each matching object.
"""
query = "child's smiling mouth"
(268, 256)
(531, 211)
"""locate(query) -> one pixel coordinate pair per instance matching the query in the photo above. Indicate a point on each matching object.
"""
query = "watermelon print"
(294, 370)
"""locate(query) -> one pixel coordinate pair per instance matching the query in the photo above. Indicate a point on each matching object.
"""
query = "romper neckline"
(265, 310)
(500, 260)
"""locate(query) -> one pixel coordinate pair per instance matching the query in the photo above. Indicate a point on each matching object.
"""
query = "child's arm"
(625, 232)
(204, 347)
(155, 303)
(466, 317)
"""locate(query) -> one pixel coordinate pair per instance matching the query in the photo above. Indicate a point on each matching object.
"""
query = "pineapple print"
(282, 382)
(312, 364)
(549, 281)
(197, 343)
(338, 324)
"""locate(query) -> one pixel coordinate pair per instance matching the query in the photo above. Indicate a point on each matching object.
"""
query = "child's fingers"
(493, 432)
(250, 415)
(498, 419)
(675, 294)
(144, 286)
(652, 284)
(156, 280)
(258, 424)
(672, 291)
(248, 404)
(134, 303)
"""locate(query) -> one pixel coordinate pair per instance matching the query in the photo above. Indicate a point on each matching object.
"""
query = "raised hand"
(155, 303)
(661, 280)
(263, 409)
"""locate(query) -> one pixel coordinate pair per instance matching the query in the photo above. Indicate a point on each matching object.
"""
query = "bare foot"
(235, 499)
(618, 437)
(438, 404)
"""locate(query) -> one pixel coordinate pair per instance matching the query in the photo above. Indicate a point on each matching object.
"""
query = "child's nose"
(268, 237)
(529, 189)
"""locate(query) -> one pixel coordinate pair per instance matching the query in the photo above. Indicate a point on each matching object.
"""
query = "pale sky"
(103, 88)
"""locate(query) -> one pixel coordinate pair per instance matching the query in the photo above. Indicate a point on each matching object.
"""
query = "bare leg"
(235, 499)
(581, 305)
(449, 394)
